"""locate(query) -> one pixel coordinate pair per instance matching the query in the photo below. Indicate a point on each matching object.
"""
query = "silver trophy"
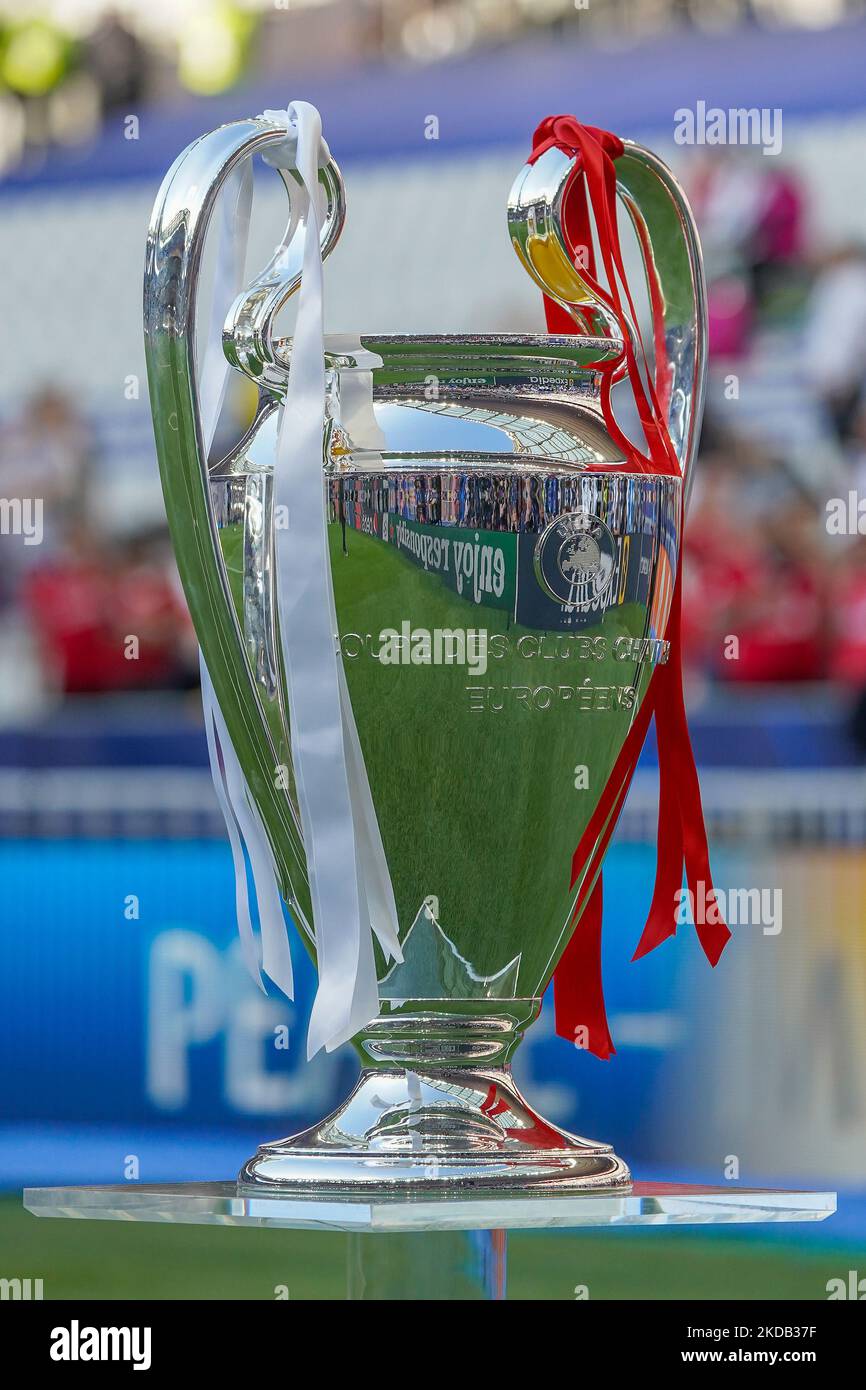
(501, 584)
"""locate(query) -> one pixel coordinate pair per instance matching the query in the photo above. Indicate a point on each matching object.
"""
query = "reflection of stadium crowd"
(770, 594)
(522, 505)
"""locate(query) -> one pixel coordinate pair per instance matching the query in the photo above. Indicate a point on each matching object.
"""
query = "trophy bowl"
(502, 581)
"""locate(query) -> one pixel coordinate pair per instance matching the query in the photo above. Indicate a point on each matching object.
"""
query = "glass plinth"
(226, 1204)
(442, 1249)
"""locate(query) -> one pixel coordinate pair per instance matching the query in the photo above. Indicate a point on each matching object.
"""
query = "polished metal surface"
(502, 582)
(181, 216)
(668, 237)
(465, 1128)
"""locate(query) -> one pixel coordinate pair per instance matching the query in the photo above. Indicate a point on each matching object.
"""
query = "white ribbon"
(242, 820)
(350, 885)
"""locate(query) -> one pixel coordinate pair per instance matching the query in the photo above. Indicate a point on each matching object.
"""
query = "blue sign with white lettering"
(123, 998)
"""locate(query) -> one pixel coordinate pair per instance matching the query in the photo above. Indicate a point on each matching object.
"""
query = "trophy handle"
(176, 236)
(668, 238)
(248, 333)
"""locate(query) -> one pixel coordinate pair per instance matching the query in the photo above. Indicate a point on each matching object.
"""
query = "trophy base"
(436, 1133)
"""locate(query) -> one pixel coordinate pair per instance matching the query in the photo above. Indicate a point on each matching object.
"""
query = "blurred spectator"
(751, 215)
(722, 549)
(108, 618)
(117, 61)
(836, 335)
(778, 613)
(755, 594)
(44, 455)
(847, 650)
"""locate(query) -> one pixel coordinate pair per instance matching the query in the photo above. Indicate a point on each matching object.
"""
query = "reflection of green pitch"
(486, 801)
(104, 1260)
(479, 807)
(232, 545)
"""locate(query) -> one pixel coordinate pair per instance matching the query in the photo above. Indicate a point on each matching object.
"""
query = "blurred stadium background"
(132, 1045)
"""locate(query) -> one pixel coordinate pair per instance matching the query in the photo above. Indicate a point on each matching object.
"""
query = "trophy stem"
(439, 1124)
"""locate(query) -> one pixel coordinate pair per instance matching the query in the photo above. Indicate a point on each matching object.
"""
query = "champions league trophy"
(500, 580)
(437, 593)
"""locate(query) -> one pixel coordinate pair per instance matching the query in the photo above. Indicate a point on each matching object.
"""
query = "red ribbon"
(682, 838)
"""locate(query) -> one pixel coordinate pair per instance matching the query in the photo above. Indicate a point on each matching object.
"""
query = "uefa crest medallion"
(575, 558)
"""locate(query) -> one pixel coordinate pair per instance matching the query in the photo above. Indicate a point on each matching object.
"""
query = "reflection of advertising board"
(479, 566)
(500, 569)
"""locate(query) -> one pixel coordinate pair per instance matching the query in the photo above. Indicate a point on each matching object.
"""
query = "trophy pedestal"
(435, 1132)
(421, 1249)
